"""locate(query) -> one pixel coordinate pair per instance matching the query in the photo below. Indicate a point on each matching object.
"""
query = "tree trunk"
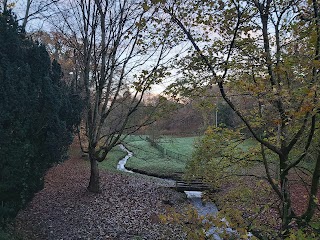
(94, 184)
(312, 205)
(5, 5)
(286, 206)
(26, 16)
(286, 201)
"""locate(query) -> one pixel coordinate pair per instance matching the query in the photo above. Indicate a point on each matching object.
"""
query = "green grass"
(111, 162)
(148, 159)
(133, 138)
(183, 145)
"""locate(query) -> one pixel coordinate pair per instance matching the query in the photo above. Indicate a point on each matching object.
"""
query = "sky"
(39, 22)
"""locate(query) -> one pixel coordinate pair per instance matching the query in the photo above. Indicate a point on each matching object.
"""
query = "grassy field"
(183, 145)
(148, 159)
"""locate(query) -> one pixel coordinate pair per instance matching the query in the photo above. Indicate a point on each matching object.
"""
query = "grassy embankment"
(113, 157)
(149, 160)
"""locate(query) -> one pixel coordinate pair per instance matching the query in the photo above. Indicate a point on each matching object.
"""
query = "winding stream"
(122, 162)
(203, 208)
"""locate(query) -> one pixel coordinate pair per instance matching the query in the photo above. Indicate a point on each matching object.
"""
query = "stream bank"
(195, 197)
(121, 167)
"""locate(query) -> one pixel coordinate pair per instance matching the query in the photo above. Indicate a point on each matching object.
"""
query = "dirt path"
(127, 208)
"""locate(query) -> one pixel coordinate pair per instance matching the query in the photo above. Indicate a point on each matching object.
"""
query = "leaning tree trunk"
(312, 205)
(94, 184)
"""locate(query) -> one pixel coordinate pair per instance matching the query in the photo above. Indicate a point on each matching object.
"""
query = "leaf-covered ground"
(127, 208)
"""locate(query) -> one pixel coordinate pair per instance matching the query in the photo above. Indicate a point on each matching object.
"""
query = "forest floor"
(128, 207)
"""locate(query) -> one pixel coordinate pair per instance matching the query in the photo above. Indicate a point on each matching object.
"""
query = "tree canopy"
(266, 52)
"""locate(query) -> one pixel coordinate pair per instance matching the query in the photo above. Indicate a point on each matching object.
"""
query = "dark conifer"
(38, 114)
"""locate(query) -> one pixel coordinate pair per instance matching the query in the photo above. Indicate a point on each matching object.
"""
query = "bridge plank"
(193, 185)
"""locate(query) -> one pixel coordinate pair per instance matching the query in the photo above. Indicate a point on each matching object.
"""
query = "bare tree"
(29, 10)
(118, 54)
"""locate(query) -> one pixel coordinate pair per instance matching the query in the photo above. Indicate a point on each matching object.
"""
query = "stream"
(203, 208)
(122, 162)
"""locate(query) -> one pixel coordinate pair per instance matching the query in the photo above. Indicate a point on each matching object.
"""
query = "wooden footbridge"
(196, 184)
(192, 185)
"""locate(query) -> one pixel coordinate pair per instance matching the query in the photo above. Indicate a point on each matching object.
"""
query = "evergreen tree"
(37, 116)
